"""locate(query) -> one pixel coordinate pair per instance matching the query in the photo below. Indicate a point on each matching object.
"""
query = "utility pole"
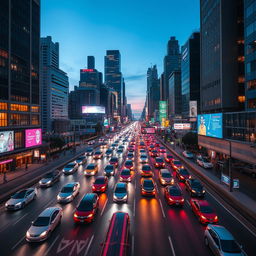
(230, 169)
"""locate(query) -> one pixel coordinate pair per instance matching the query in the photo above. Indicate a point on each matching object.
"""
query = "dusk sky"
(139, 29)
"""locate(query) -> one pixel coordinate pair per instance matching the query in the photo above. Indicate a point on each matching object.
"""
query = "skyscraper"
(54, 83)
(19, 82)
(90, 62)
(113, 76)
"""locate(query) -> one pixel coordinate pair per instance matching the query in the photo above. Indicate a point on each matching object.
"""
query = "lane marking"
(133, 245)
(135, 185)
(18, 243)
(187, 202)
(162, 207)
(134, 207)
(104, 207)
(50, 247)
(89, 245)
(19, 219)
(171, 244)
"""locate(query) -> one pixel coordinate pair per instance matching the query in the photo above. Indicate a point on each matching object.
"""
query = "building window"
(3, 119)
(18, 107)
(241, 98)
(18, 142)
(3, 106)
(35, 109)
(19, 119)
(251, 47)
(35, 119)
(252, 103)
(241, 79)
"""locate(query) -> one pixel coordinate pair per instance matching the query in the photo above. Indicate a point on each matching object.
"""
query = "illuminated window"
(18, 107)
(240, 79)
(3, 119)
(19, 119)
(35, 119)
(3, 106)
(252, 103)
(241, 99)
(35, 109)
(251, 85)
(240, 58)
(18, 140)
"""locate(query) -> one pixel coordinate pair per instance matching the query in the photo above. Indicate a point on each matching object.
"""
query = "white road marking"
(162, 207)
(187, 202)
(135, 185)
(50, 247)
(134, 209)
(171, 244)
(19, 219)
(133, 245)
(89, 245)
(157, 189)
(104, 207)
(18, 243)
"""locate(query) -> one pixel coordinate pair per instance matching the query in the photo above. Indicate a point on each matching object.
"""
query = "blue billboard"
(210, 125)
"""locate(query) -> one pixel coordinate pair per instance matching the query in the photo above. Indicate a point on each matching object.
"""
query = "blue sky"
(139, 29)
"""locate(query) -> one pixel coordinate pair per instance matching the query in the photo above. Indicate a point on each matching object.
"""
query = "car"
(143, 158)
(109, 170)
(165, 177)
(168, 158)
(182, 174)
(195, 188)
(130, 156)
(162, 149)
(81, 160)
(119, 152)
(20, 199)
(121, 147)
(151, 147)
(113, 146)
(142, 151)
(203, 211)
(157, 144)
(104, 145)
(49, 179)
(154, 153)
(148, 187)
(87, 208)
(221, 241)
(70, 168)
(173, 195)
(101, 139)
(114, 161)
(91, 169)
(89, 152)
(100, 184)
(97, 154)
(131, 150)
(146, 170)
(68, 192)
(159, 162)
(204, 162)
(126, 175)
(44, 224)
(128, 164)
(91, 142)
(188, 154)
(142, 145)
(109, 152)
(117, 238)
(176, 164)
(120, 193)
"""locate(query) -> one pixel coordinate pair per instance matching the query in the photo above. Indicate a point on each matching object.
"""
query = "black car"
(195, 188)
(49, 179)
(89, 151)
(109, 170)
(182, 174)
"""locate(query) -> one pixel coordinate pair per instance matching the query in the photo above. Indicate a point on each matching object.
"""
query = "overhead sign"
(182, 126)
(6, 141)
(210, 125)
(93, 110)
(105, 123)
(33, 137)
(162, 110)
(193, 108)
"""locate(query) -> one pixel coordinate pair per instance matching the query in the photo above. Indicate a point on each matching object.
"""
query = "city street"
(156, 228)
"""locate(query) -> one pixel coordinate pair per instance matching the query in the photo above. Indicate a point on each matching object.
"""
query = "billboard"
(33, 137)
(148, 130)
(182, 126)
(193, 108)
(162, 110)
(93, 110)
(6, 141)
(105, 123)
(210, 125)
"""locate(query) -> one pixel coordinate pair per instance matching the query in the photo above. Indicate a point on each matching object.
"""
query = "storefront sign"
(182, 126)
(36, 153)
(235, 183)
(6, 161)
(162, 111)
(226, 180)
(33, 137)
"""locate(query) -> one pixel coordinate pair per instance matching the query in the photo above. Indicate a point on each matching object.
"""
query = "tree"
(57, 142)
(190, 139)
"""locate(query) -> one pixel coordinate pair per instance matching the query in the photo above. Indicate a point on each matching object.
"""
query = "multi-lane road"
(156, 228)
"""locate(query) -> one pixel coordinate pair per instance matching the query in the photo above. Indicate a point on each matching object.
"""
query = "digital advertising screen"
(148, 130)
(210, 125)
(6, 141)
(93, 110)
(33, 137)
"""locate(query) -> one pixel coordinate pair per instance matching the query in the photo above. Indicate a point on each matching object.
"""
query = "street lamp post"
(230, 169)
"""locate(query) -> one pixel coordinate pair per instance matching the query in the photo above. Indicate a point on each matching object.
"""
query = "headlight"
(43, 234)
(125, 197)
(58, 197)
(18, 204)
(40, 182)
(6, 204)
(90, 215)
(27, 234)
(48, 182)
(193, 191)
(203, 191)
(75, 215)
(69, 197)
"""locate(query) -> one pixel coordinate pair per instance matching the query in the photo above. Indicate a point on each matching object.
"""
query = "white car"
(20, 199)
(221, 242)
(187, 154)
(45, 223)
(204, 162)
(68, 192)
(91, 142)
(70, 168)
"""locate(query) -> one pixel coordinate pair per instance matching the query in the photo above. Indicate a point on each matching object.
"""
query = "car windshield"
(206, 160)
(90, 167)
(109, 167)
(183, 172)
(125, 172)
(41, 221)
(174, 192)
(196, 184)
(169, 157)
(113, 159)
(85, 206)
(99, 181)
(143, 157)
(206, 209)
(177, 162)
(120, 190)
(230, 246)
(148, 184)
(80, 158)
(19, 195)
(67, 190)
(146, 168)
(128, 162)
(48, 175)
(71, 165)
(97, 153)
(89, 150)
(159, 160)
(166, 175)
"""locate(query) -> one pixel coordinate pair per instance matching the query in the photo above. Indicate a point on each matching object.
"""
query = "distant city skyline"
(88, 29)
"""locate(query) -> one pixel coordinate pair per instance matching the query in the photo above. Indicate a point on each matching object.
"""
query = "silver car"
(70, 168)
(20, 199)
(49, 179)
(120, 193)
(45, 223)
(68, 192)
(221, 242)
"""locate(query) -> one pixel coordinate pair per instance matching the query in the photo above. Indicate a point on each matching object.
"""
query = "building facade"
(20, 129)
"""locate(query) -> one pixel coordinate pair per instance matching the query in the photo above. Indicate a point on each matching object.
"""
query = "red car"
(126, 175)
(168, 158)
(114, 161)
(203, 211)
(157, 144)
(148, 187)
(146, 170)
(159, 162)
(128, 164)
(182, 174)
(87, 208)
(176, 164)
(100, 184)
(173, 195)
(162, 150)
(154, 153)
(151, 147)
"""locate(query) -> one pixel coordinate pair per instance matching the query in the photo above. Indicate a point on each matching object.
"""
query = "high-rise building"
(129, 111)
(190, 72)
(20, 130)
(90, 62)
(54, 84)
(171, 63)
(250, 53)
(113, 76)
(222, 58)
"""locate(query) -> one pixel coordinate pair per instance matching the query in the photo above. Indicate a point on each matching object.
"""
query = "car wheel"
(22, 205)
(206, 242)
(34, 197)
(60, 221)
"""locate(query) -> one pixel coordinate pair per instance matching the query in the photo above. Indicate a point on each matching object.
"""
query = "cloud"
(135, 77)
